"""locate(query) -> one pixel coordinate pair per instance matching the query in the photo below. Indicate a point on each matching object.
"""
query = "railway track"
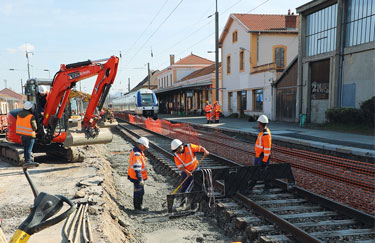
(275, 216)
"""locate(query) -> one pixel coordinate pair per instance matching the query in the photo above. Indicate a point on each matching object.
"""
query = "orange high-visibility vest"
(187, 159)
(137, 162)
(263, 144)
(24, 127)
(217, 107)
(208, 108)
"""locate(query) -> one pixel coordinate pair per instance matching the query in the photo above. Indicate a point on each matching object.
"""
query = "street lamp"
(49, 73)
(13, 69)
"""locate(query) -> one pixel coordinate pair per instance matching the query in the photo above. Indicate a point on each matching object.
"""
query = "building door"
(319, 81)
(241, 102)
(286, 104)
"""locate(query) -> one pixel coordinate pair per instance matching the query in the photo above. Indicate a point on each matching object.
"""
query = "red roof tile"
(200, 72)
(256, 22)
(259, 22)
(11, 93)
(193, 60)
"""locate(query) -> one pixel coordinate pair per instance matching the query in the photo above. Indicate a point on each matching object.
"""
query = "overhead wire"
(195, 31)
(157, 29)
(264, 2)
(152, 20)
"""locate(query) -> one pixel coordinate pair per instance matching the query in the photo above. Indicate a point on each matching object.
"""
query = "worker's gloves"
(142, 183)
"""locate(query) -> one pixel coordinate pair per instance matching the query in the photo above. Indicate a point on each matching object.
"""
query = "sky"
(61, 32)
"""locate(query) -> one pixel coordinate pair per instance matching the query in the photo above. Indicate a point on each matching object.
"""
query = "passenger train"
(142, 102)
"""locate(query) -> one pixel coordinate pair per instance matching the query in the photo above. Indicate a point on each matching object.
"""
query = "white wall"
(266, 42)
(236, 80)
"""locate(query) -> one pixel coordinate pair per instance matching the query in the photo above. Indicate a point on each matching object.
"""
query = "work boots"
(138, 203)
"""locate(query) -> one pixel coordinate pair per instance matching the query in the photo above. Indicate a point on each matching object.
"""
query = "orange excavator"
(54, 136)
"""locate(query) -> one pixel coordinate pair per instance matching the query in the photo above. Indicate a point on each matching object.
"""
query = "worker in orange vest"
(208, 110)
(26, 127)
(262, 148)
(216, 112)
(137, 171)
(185, 160)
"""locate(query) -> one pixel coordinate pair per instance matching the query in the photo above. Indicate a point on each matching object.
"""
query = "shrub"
(345, 116)
(368, 109)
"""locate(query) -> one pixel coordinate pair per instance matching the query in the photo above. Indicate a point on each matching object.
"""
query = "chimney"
(290, 20)
(171, 59)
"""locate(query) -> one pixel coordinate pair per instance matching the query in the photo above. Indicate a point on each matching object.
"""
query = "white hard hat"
(175, 144)
(263, 119)
(143, 141)
(42, 89)
(27, 105)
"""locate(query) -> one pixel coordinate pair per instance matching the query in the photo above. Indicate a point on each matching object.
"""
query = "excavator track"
(72, 154)
(12, 153)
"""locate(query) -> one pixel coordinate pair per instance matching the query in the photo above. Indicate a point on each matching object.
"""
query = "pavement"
(348, 143)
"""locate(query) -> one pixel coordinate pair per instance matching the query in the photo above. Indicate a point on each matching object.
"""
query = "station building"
(255, 50)
(185, 85)
(336, 59)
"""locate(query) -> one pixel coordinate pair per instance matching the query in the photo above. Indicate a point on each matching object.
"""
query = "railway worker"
(137, 171)
(262, 148)
(185, 160)
(208, 110)
(42, 96)
(216, 111)
(26, 127)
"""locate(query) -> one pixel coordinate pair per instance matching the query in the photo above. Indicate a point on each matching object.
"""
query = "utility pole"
(217, 53)
(28, 63)
(21, 86)
(128, 85)
(149, 76)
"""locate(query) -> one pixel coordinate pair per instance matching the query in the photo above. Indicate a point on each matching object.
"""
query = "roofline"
(312, 4)
(286, 70)
(273, 31)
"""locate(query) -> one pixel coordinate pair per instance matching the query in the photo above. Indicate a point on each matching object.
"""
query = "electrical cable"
(157, 29)
(144, 31)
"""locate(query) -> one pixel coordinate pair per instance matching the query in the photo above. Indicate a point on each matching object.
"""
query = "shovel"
(179, 186)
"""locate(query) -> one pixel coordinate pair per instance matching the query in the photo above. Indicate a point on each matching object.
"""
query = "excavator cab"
(54, 135)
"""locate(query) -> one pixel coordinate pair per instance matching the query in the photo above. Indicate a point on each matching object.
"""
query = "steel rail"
(298, 233)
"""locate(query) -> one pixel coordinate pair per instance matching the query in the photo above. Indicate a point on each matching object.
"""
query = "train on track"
(142, 102)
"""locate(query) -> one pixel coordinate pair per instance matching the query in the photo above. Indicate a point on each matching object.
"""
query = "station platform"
(346, 143)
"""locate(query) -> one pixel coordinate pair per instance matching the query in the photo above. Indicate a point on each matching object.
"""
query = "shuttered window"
(279, 57)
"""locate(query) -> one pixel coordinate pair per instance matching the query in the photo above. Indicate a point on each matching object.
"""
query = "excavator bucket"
(108, 124)
(77, 138)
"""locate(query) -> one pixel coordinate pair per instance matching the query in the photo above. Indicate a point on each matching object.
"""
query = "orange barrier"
(346, 181)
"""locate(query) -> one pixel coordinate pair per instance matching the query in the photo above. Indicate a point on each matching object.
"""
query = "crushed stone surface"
(154, 226)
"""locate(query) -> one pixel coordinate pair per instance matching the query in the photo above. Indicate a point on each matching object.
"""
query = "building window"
(234, 36)
(279, 57)
(171, 79)
(242, 61)
(258, 100)
(230, 99)
(228, 64)
(167, 80)
(360, 23)
(321, 31)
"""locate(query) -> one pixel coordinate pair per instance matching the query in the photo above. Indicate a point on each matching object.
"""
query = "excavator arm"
(65, 79)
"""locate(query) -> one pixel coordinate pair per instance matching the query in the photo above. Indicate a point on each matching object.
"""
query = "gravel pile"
(154, 226)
